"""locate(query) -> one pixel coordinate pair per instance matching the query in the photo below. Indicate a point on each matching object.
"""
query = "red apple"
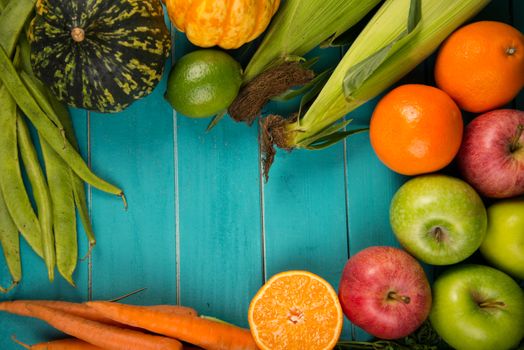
(491, 157)
(384, 291)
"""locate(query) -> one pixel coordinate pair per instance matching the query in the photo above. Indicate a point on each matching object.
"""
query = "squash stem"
(78, 34)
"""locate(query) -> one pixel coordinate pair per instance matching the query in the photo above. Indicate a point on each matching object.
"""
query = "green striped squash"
(99, 55)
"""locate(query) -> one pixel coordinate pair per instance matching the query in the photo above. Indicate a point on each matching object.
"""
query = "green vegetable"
(58, 195)
(64, 216)
(10, 242)
(96, 55)
(299, 26)
(78, 185)
(278, 65)
(37, 90)
(47, 129)
(11, 184)
(12, 19)
(40, 193)
(399, 37)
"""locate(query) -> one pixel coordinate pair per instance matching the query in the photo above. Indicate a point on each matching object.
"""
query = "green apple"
(439, 219)
(479, 308)
(504, 243)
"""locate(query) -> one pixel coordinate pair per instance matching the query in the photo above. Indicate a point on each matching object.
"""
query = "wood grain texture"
(219, 214)
(202, 229)
(135, 247)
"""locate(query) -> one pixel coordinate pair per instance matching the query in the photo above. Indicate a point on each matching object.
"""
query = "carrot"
(18, 307)
(208, 334)
(99, 334)
(84, 311)
(174, 309)
(62, 344)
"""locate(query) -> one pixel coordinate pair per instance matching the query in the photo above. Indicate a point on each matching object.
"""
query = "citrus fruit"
(296, 310)
(481, 65)
(203, 83)
(416, 129)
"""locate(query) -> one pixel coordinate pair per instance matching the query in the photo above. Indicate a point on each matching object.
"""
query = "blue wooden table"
(202, 228)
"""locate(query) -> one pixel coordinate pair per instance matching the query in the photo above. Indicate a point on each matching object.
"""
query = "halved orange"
(296, 310)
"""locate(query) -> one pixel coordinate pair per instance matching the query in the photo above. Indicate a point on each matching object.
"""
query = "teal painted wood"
(305, 224)
(134, 149)
(204, 192)
(219, 214)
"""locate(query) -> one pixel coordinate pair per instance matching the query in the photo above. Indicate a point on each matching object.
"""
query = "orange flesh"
(296, 310)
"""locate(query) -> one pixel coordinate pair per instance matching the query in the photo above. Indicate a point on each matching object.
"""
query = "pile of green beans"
(51, 229)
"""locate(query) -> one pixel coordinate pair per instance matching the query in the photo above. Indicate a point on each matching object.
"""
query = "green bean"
(25, 55)
(64, 216)
(36, 89)
(40, 193)
(35, 86)
(78, 185)
(47, 129)
(12, 20)
(11, 182)
(10, 242)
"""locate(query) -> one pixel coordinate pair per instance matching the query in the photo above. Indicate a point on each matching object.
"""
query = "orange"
(481, 65)
(416, 129)
(296, 310)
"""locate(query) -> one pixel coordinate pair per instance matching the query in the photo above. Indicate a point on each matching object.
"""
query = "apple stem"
(492, 304)
(402, 298)
(515, 144)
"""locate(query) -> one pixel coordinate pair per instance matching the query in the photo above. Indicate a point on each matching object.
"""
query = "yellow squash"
(227, 23)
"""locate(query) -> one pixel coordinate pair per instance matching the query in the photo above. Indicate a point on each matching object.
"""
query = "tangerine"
(481, 65)
(416, 129)
(296, 310)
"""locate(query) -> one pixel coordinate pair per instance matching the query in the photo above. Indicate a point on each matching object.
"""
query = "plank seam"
(345, 151)
(176, 185)
(90, 209)
(262, 208)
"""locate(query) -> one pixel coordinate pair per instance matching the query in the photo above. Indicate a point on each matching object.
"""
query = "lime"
(203, 83)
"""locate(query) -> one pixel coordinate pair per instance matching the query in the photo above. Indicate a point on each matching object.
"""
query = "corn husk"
(301, 25)
(384, 52)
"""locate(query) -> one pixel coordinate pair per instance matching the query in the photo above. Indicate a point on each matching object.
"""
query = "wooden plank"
(136, 248)
(305, 204)
(35, 284)
(219, 214)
